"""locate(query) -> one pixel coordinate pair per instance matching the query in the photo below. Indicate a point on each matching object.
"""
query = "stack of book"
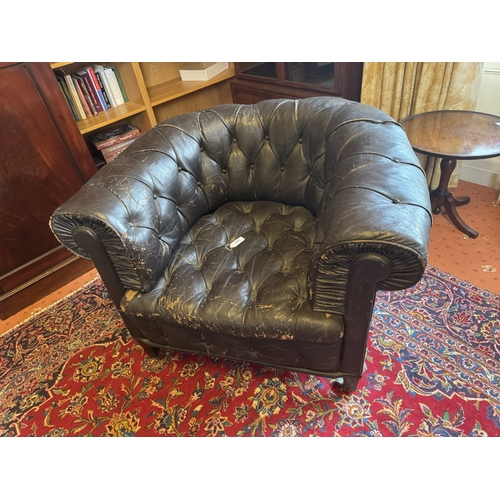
(92, 89)
(110, 142)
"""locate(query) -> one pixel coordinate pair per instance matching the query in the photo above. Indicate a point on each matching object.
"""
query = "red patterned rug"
(432, 369)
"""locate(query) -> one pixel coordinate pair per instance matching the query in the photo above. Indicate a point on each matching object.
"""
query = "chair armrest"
(145, 201)
(138, 228)
(377, 201)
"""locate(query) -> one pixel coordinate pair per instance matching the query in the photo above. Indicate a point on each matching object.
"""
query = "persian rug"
(432, 369)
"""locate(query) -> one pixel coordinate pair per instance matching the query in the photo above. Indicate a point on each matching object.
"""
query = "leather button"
(179, 169)
(267, 137)
(198, 184)
(201, 149)
(223, 171)
(300, 140)
(252, 165)
(234, 140)
(208, 343)
(282, 169)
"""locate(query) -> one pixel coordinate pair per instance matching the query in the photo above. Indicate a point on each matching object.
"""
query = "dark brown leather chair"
(257, 232)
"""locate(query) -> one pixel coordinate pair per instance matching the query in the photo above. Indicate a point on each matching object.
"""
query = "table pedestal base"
(441, 197)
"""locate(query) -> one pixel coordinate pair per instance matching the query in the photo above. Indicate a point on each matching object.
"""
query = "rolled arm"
(377, 202)
(138, 227)
(142, 204)
(134, 246)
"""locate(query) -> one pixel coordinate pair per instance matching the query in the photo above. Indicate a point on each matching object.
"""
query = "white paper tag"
(237, 242)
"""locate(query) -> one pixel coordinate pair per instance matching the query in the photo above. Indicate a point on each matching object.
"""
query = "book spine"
(97, 86)
(117, 147)
(68, 99)
(74, 96)
(103, 90)
(103, 80)
(113, 83)
(120, 83)
(86, 93)
(117, 139)
(92, 90)
(83, 101)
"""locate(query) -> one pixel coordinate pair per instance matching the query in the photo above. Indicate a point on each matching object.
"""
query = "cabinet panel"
(243, 95)
(255, 81)
(38, 171)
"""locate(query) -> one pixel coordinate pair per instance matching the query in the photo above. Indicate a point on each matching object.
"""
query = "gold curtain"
(405, 89)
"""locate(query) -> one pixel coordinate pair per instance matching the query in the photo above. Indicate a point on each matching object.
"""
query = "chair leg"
(367, 270)
(349, 384)
(154, 352)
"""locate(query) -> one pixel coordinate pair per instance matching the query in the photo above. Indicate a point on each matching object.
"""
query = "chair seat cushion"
(242, 271)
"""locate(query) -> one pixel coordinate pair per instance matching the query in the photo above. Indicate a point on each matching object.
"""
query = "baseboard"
(482, 172)
(38, 288)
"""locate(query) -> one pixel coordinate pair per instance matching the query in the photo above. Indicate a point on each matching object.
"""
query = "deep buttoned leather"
(309, 184)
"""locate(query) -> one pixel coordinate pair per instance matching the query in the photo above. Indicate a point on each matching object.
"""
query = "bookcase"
(155, 92)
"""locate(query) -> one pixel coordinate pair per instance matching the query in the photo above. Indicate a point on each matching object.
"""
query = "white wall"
(486, 172)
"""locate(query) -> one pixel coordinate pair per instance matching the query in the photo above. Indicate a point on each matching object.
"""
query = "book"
(199, 71)
(103, 89)
(113, 84)
(81, 97)
(85, 76)
(97, 86)
(120, 83)
(72, 93)
(113, 135)
(67, 97)
(86, 93)
(111, 152)
(105, 84)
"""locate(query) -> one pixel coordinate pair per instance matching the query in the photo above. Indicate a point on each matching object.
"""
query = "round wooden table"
(453, 135)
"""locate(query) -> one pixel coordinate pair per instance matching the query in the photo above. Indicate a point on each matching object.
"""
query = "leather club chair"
(257, 232)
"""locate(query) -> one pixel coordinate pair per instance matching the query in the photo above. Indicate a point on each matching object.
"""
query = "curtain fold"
(402, 89)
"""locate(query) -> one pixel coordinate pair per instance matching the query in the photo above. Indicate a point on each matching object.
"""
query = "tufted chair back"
(197, 162)
(275, 150)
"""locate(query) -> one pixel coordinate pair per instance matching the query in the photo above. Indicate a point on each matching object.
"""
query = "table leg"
(441, 197)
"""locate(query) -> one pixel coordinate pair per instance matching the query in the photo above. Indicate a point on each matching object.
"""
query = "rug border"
(38, 312)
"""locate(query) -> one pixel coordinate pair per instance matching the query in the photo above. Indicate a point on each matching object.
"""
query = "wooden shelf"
(151, 85)
(176, 88)
(105, 118)
(55, 65)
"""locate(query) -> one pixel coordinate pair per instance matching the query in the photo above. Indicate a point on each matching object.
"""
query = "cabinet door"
(43, 161)
(244, 95)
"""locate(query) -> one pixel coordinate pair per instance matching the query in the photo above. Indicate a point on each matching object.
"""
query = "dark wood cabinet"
(43, 161)
(258, 81)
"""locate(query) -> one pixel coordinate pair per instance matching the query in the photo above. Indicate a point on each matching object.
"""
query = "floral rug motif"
(432, 369)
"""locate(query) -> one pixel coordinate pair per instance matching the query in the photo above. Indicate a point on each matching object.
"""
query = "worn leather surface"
(309, 184)
(256, 289)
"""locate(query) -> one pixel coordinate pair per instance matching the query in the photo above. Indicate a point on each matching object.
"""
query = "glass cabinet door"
(258, 70)
(321, 78)
(317, 74)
